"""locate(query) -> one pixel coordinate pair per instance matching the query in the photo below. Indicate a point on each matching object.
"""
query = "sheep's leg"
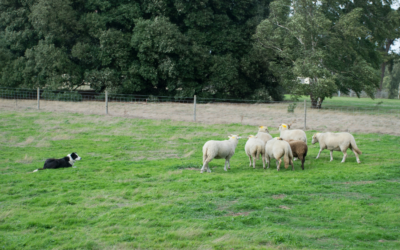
(291, 163)
(331, 155)
(205, 166)
(344, 156)
(263, 161)
(267, 160)
(278, 164)
(303, 159)
(227, 164)
(254, 160)
(250, 161)
(358, 159)
(319, 153)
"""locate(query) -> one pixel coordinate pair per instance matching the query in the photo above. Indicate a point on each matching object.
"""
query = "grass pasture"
(138, 186)
(355, 103)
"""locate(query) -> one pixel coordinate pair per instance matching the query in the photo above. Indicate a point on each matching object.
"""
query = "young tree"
(324, 41)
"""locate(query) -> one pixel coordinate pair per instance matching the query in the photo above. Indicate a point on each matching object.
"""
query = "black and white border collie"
(66, 162)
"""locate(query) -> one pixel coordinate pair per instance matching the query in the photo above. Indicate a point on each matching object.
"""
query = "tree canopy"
(167, 47)
(211, 48)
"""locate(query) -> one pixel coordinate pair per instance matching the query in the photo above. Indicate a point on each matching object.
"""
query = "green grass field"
(355, 103)
(138, 186)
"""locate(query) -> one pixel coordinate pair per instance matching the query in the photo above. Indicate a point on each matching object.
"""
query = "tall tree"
(327, 41)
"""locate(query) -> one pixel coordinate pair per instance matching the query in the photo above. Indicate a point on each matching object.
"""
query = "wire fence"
(35, 98)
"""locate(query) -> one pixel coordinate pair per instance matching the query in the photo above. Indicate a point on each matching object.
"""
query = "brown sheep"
(299, 150)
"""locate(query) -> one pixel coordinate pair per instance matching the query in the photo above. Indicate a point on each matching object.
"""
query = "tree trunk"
(383, 67)
(314, 102)
(389, 43)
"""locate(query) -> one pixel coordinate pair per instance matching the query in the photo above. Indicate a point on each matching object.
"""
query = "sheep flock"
(289, 146)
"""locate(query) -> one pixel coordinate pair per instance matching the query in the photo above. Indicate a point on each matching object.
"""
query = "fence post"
(305, 114)
(38, 98)
(194, 108)
(106, 102)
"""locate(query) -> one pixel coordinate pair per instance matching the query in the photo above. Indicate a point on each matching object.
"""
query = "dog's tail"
(37, 170)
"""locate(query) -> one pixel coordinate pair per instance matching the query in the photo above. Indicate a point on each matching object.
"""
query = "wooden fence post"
(38, 98)
(106, 102)
(194, 108)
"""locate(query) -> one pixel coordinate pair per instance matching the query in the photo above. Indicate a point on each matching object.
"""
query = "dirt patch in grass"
(280, 196)
(188, 154)
(238, 214)
(357, 182)
(223, 238)
(393, 180)
(270, 115)
(284, 207)
(192, 169)
(62, 137)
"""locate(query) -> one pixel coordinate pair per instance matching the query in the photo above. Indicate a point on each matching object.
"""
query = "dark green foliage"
(174, 48)
(61, 96)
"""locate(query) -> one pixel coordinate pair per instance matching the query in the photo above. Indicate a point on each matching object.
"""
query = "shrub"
(291, 107)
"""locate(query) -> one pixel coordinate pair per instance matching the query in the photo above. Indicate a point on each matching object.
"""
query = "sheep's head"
(251, 136)
(263, 129)
(314, 138)
(284, 127)
(237, 137)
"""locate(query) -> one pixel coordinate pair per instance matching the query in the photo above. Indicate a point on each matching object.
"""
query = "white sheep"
(254, 148)
(295, 134)
(277, 148)
(263, 134)
(336, 142)
(219, 150)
